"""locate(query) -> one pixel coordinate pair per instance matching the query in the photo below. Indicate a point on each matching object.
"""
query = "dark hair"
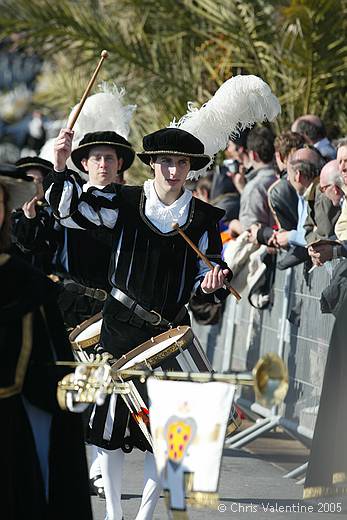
(287, 142)
(204, 183)
(5, 235)
(321, 161)
(261, 141)
(314, 132)
(191, 159)
(239, 138)
(307, 168)
(118, 152)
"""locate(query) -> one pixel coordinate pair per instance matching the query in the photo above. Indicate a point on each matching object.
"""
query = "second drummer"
(152, 270)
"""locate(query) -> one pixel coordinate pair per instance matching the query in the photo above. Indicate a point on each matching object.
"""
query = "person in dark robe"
(43, 446)
(326, 474)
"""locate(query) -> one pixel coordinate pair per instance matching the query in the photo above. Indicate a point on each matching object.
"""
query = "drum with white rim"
(175, 349)
(85, 336)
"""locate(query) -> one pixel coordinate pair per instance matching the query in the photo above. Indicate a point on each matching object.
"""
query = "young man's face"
(233, 151)
(102, 165)
(170, 172)
(37, 177)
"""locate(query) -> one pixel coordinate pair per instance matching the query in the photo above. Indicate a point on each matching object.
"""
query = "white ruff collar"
(88, 185)
(162, 216)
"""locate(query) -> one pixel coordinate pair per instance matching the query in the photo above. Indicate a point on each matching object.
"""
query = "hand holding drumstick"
(216, 275)
(63, 143)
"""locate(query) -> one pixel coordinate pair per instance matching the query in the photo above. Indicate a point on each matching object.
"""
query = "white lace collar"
(162, 216)
(88, 185)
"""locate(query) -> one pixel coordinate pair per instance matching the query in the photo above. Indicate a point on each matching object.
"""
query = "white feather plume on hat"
(102, 111)
(239, 102)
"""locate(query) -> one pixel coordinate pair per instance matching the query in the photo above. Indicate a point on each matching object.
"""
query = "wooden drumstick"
(205, 259)
(103, 56)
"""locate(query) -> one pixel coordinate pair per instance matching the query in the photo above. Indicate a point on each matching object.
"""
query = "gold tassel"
(338, 478)
(324, 491)
(201, 499)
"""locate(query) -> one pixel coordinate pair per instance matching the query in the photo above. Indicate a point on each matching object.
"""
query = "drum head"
(157, 349)
(87, 334)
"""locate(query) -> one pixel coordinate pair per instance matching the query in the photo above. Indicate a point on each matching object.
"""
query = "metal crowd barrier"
(294, 327)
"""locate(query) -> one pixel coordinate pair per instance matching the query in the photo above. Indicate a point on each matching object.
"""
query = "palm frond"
(173, 51)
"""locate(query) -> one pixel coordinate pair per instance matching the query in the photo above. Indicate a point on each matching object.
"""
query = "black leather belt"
(82, 290)
(97, 294)
(152, 317)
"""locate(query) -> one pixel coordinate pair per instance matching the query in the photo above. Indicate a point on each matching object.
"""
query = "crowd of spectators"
(284, 198)
(292, 191)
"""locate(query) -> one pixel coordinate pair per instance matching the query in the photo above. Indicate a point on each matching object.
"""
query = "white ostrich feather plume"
(103, 111)
(239, 102)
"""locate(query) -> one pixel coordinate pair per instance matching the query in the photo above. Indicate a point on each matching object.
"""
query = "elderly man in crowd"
(323, 211)
(303, 167)
(313, 129)
(282, 195)
(331, 183)
(335, 190)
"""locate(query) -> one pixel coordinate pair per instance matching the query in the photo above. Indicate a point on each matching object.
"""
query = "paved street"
(251, 486)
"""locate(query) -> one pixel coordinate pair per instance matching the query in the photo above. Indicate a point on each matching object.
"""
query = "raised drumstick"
(205, 259)
(103, 56)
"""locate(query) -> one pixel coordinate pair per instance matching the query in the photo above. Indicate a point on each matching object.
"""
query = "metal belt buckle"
(157, 322)
(101, 294)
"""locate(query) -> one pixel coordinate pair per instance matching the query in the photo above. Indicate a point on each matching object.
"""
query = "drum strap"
(82, 290)
(152, 317)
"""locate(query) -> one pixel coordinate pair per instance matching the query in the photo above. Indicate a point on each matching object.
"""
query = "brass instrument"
(269, 379)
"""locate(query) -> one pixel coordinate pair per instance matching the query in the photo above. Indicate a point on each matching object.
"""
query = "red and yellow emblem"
(178, 436)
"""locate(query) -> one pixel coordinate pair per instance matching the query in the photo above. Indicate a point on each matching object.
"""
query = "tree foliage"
(173, 51)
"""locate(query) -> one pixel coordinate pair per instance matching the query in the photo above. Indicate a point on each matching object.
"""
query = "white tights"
(111, 464)
(94, 470)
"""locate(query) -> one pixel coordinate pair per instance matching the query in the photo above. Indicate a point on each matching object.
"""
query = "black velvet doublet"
(159, 269)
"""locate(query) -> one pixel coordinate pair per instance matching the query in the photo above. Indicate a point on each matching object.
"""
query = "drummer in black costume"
(57, 250)
(33, 236)
(152, 271)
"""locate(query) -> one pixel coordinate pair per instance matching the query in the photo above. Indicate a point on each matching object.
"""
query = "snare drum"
(177, 349)
(85, 336)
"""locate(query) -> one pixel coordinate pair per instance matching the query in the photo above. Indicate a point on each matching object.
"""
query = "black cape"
(32, 337)
(327, 468)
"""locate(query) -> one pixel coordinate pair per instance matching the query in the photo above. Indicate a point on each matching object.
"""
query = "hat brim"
(19, 190)
(125, 152)
(44, 169)
(197, 161)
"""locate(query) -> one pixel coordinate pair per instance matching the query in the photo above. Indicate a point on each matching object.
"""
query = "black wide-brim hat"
(25, 163)
(174, 141)
(19, 187)
(122, 146)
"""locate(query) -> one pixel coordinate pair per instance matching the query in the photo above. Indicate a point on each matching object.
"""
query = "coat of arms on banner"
(188, 424)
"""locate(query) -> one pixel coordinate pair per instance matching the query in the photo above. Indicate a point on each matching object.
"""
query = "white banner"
(188, 424)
